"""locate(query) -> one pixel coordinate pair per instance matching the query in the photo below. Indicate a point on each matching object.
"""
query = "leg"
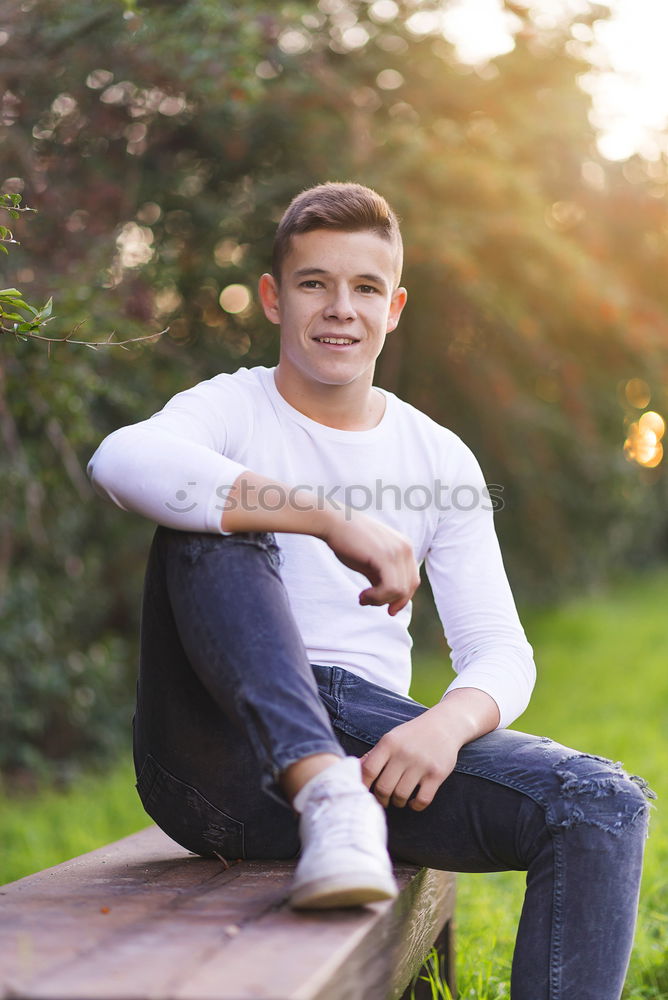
(228, 709)
(574, 822)
(226, 698)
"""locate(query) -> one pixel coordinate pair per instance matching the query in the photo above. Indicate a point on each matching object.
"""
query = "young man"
(272, 702)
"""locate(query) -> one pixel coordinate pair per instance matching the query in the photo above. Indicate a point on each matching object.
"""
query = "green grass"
(41, 830)
(603, 688)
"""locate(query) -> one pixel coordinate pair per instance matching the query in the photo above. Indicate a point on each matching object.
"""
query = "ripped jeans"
(227, 699)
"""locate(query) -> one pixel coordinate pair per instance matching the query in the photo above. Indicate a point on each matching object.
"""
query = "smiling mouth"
(337, 341)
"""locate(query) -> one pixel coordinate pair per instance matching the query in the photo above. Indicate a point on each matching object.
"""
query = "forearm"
(185, 485)
(466, 713)
(383, 555)
(257, 503)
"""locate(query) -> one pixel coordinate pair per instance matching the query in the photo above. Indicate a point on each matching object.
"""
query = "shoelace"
(349, 827)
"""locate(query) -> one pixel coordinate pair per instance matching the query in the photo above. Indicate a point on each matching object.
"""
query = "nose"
(340, 305)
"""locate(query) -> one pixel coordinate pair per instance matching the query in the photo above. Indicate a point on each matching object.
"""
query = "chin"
(334, 377)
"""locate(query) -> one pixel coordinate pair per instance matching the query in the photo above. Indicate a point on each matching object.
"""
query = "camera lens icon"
(182, 496)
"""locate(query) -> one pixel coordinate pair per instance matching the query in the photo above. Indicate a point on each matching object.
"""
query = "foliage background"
(160, 145)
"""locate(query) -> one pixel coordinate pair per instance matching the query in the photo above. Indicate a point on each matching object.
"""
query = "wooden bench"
(144, 919)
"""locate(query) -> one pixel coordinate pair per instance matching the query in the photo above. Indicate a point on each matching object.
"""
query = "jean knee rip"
(597, 792)
(196, 544)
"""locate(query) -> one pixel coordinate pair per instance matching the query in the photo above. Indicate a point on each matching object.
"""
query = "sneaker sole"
(330, 893)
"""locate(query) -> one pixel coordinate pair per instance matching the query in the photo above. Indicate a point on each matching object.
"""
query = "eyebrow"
(376, 279)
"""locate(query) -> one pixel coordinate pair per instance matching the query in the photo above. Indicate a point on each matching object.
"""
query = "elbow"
(96, 470)
(105, 468)
(525, 683)
(529, 674)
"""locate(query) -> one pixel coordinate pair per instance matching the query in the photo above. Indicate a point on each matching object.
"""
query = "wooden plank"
(143, 919)
(444, 946)
(428, 923)
(372, 952)
(54, 916)
(148, 956)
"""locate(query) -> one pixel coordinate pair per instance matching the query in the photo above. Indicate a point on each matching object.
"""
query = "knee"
(595, 792)
(193, 546)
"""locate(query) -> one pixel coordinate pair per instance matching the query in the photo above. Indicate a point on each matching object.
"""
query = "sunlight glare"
(628, 82)
(643, 441)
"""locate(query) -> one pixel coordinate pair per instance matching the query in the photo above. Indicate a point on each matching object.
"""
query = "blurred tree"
(161, 145)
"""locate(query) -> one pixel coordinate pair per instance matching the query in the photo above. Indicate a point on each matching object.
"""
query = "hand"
(417, 756)
(383, 555)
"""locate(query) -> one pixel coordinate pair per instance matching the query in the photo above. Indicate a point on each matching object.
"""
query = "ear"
(268, 292)
(397, 304)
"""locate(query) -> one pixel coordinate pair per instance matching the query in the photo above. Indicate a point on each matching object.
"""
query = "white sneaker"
(344, 860)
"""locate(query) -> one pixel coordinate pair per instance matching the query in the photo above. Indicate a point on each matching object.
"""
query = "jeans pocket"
(367, 711)
(186, 815)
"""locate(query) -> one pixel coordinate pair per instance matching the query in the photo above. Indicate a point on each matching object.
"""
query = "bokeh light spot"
(235, 298)
(643, 441)
(384, 10)
(149, 213)
(637, 393)
(389, 79)
(99, 78)
(228, 252)
(293, 42)
(653, 422)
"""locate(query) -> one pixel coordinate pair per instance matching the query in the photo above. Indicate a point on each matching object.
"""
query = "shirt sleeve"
(172, 468)
(473, 597)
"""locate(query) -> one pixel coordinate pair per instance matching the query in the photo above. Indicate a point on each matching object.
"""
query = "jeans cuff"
(283, 760)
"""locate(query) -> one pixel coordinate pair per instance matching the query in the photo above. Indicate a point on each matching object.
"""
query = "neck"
(354, 407)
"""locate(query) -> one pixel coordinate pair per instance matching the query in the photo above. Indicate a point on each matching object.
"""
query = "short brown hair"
(347, 207)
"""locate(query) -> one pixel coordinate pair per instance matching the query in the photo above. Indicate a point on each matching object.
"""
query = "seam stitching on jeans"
(557, 920)
(335, 689)
(506, 783)
(357, 734)
(149, 769)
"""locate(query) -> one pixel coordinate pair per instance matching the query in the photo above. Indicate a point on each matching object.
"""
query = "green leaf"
(4, 249)
(15, 199)
(6, 315)
(10, 292)
(14, 214)
(17, 303)
(47, 308)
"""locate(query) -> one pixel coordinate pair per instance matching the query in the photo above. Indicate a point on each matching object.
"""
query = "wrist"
(327, 519)
(453, 721)
(468, 713)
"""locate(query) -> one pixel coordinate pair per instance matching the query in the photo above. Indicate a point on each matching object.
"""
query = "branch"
(109, 342)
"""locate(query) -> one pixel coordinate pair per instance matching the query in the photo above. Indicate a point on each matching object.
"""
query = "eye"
(311, 283)
(367, 289)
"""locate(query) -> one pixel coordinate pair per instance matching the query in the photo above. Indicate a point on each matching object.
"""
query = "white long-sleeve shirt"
(408, 472)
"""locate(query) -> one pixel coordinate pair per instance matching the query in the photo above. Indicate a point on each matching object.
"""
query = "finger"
(425, 794)
(373, 763)
(396, 606)
(378, 596)
(385, 784)
(406, 787)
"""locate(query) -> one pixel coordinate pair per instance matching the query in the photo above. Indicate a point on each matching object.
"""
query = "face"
(335, 305)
